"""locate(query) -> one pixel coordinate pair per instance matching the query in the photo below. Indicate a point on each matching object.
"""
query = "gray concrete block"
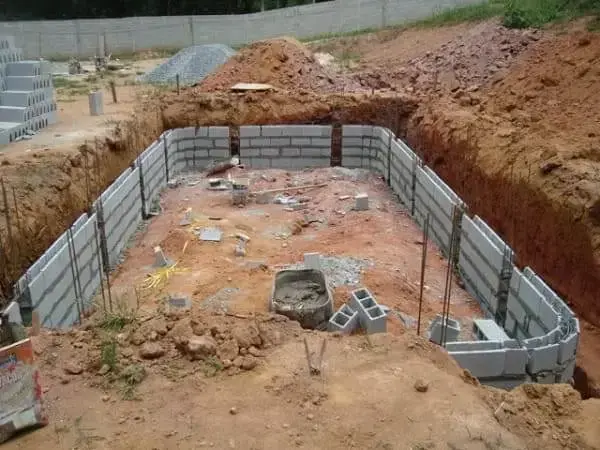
(371, 316)
(316, 130)
(260, 163)
(249, 152)
(352, 162)
(361, 202)
(353, 142)
(290, 151)
(13, 311)
(219, 153)
(260, 142)
(515, 361)
(249, 131)
(312, 261)
(472, 346)
(301, 142)
(321, 142)
(352, 151)
(566, 374)
(435, 329)
(568, 348)
(218, 132)
(315, 152)
(286, 163)
(357, 130)
(487, 363)
(269, 152)
(280, 142)
(543, 358)
(345, 320)
(221, 143)
(275, 130)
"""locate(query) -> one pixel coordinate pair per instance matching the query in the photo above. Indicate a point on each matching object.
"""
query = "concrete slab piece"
(211, 234)
(344, 320)
(13, 311)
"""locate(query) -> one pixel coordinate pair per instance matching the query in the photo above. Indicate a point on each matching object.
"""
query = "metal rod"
(99, 257)
(423, 265)
(177, 80)
(113, 90)
(18, 222)
(448, 285)
(77, 274)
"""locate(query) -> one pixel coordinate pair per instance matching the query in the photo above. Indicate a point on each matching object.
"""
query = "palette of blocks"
(26, 94)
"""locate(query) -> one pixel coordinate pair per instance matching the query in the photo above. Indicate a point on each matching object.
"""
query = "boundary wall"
(89, 37)
(543, 332)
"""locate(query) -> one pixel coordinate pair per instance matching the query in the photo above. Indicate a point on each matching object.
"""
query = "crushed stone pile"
(192, 64)
(283, 62)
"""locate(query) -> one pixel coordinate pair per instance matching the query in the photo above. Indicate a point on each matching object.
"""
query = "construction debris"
(240, 191)
(224, 166)
(210, 234)
(362, 202)
(160, 260)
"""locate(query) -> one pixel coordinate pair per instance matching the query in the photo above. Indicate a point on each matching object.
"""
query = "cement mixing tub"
(304, 296)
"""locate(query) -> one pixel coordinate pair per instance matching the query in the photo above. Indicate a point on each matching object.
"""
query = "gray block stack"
(26, 94)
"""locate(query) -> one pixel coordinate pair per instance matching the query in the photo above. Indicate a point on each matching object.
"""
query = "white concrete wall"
(86, 37)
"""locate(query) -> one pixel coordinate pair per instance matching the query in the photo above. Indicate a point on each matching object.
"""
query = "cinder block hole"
(361, 293)
(347, 310)
(375, 312)
(368, 303)
(341, 319)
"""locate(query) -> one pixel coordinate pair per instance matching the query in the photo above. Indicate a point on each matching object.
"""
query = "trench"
(523, 216)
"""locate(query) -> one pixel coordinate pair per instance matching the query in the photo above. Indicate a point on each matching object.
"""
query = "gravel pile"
(340, 271)
(192, 64)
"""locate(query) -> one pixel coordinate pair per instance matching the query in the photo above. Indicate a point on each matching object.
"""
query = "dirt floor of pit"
(214, 278)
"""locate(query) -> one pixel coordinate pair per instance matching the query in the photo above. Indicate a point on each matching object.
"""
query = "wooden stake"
(113, 90)
(295, 188)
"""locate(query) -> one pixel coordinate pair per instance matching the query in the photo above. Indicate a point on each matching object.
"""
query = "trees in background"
(87, 9)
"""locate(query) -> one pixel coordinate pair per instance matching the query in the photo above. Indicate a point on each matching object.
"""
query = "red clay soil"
(283, 63)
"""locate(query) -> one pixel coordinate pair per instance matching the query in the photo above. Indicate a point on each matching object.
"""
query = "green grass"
(537, 13)
(514, 13)
(461, 14)
(108, 353)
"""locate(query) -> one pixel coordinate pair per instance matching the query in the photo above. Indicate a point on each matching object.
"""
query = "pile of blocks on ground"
(26, 94)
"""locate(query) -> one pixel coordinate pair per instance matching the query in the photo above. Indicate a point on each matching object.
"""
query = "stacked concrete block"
(198, 147)
(285, 146)
(312, 261)
(371, 316)
(481, 262)
(403, 165)
(434, 198)
(367, 147)
(436, 329)
(26, 94)
(153, 173)
(121, 213)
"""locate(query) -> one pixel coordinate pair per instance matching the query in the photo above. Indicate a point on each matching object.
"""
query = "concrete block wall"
(285, 146)
(196, 147)
(543, 331)
(366, 147)
(481, 262)
(432, 197)
(89, 37)
(26, 94)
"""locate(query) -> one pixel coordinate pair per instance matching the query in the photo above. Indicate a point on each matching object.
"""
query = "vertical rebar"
(19, 229)
(99, 257)
(423, 265)
(177, 80)
(7, 216)
(449, 271)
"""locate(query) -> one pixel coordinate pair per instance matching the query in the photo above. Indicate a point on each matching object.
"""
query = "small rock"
(137, 339)
(122, 420)
(77, 344)
(105, 398)
(151, 350)
(286, 425)
(73, 368)
(243, 351)
(310, 416)
(249, 363)
(255, 352)
(64, 380)
(201, 347)
(104, 369)
(421, 386)
(233, 411)
(228, 350)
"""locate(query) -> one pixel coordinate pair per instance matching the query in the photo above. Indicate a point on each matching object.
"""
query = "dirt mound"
(546, 413)
(282, 62)
(477, 56)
